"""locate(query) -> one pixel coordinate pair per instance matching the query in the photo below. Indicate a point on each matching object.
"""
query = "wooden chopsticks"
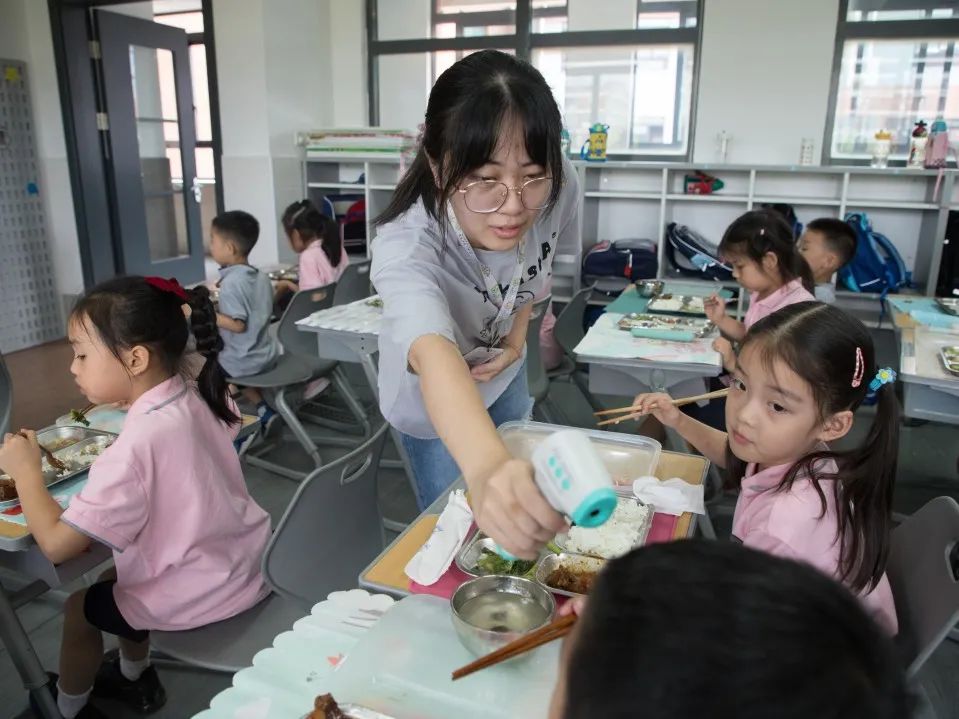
(633, 412)
(54, 462)
(554, 630)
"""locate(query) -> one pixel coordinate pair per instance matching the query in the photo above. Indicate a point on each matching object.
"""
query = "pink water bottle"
(937, 149)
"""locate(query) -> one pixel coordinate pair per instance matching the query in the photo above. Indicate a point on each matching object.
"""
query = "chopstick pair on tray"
(554, 630)
(634, 412)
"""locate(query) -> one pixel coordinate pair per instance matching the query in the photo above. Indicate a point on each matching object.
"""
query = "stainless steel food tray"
(669, 323)
(949, 305)
(79, 439)
(677, 304)
(950, 359)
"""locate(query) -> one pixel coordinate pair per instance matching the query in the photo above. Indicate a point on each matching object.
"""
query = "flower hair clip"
(883, 376)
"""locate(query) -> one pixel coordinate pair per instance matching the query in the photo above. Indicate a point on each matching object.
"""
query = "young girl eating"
(168, 496)
(316, 239)
(800, 376)
(761, 249)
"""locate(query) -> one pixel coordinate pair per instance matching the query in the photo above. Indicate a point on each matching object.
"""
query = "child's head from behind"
(304, 224)
(130, 334)
(761, 248)
(827, 244)
(801, 374)
(233, 236)
(715, 629)
(491, 118)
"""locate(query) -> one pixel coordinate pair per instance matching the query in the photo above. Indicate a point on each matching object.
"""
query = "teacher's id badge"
(482, 355)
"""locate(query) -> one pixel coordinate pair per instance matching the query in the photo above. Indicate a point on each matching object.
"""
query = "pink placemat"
(663, 529)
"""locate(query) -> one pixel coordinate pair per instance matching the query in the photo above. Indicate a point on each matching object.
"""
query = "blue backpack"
(877, 265)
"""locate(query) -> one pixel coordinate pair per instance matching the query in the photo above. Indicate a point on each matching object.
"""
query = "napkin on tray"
(437, 553)
(671, 496)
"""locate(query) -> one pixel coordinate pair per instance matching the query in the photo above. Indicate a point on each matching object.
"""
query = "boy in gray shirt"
(245, 305)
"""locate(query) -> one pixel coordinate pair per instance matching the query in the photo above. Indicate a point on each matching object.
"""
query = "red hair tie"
(170, 285)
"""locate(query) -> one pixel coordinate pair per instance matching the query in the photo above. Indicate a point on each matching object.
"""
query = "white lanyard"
(505, 303)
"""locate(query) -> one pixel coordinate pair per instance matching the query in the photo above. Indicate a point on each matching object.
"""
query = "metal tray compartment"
(641, 536)
(471, 550)
(576, 562)
(626, 456)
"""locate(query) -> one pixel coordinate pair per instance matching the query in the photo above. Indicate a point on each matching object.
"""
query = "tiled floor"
(927, 468)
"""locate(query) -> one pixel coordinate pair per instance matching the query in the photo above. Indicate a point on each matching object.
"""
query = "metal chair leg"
(342, 385)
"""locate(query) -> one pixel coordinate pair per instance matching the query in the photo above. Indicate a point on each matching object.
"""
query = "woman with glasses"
(465, 245)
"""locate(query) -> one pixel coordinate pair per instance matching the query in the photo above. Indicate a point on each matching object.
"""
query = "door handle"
(197, 191)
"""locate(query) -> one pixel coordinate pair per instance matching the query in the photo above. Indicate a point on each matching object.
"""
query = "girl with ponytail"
(800, 376)
(168, 496)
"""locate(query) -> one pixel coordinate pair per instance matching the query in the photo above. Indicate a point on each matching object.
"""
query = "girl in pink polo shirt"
(168, 496)
(316, 239)
(761, 248)
(800, 376)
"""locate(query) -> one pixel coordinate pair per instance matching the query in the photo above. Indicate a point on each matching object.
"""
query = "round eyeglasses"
(486, 196)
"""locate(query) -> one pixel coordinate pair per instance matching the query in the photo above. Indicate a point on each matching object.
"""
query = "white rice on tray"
(618, 536)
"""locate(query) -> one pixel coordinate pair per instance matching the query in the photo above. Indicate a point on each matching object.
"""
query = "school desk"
(929, 391)
(385, 573)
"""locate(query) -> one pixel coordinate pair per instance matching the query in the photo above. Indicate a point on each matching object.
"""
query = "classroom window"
(593, 55)
(897, 66)
(642, 93)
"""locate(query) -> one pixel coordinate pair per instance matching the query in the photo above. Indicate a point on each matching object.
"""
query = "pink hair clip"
(860, 369)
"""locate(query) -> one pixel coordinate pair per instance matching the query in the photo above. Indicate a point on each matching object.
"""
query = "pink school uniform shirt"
(788, 294)
(316, 270)
(169, 498)
(788, 524)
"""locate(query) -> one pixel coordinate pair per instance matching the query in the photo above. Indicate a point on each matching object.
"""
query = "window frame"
(523, 42)
(846, 31)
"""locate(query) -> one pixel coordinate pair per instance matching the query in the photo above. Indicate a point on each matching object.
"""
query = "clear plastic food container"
(626, 456)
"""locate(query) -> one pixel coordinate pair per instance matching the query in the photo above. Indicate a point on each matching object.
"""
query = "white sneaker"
(315, 387)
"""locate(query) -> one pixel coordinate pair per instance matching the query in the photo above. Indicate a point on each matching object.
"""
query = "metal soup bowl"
(481, 641)
(649, 288)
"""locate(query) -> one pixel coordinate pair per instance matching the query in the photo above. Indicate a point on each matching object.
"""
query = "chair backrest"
(6, 398)
(354, 283)
(535, 369)
(568, 330)
(331, 529)
(303, 304)
(923, 570)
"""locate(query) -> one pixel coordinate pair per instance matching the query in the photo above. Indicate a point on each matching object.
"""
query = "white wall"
(25, 35)
(347, 60)
(764, 78)
(274, 76)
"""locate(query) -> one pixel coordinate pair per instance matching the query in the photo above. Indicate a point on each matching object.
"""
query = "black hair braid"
(203, 322)
(211, 382)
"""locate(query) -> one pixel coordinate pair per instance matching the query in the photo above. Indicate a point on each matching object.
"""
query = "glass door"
(151, 140)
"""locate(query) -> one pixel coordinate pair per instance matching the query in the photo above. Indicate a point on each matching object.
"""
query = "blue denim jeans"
(434, 468)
